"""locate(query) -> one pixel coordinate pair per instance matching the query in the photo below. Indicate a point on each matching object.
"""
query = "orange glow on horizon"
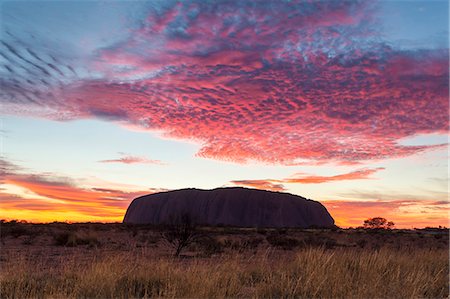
(37, 200)
(412, 215)
(45, 201)
(48, 216)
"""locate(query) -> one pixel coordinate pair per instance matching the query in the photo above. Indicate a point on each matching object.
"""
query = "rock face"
(239, 207)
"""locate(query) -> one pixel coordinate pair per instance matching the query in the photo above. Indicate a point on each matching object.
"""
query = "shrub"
(14, 229)
(282, 231)
(243, 244)
(64, 239)
(209, 245)
(180, 233)
(320, 241)
(282, 241)
(361, 243)
(149, 238)
(72, 239)
(261, 231)
(253, 243)
(28, 241)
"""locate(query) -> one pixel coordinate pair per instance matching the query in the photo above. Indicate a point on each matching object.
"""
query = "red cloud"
(275, 82)
(277, 185)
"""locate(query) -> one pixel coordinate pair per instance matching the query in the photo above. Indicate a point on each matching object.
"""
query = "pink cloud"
(317, 179)
(276, 83)
(271, 185)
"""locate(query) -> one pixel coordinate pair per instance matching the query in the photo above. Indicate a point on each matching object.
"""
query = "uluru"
(234, 206)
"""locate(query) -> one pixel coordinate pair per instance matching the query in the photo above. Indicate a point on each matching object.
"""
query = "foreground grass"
(307, 273)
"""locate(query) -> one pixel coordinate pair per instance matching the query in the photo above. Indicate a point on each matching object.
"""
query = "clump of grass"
(308, 273)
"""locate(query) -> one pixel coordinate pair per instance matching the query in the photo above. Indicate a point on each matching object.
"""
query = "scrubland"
(89, 260)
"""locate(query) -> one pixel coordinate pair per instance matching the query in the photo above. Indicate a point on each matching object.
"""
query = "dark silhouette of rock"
(236, 206)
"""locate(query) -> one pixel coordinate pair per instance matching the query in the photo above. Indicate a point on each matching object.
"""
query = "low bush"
(283, 241)
(320, 241)
(361, 243)
(71, 239)
(209, 245)
(243, 244)
(15, 229)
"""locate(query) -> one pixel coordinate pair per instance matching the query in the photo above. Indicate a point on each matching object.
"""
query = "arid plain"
(60, 260)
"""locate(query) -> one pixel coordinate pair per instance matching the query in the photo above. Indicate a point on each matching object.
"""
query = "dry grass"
(88, 260)
(306, 273)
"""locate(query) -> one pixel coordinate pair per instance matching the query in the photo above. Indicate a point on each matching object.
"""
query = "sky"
(343, 102)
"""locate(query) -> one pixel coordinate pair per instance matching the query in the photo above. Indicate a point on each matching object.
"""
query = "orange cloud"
(277, 185)
(41, 197)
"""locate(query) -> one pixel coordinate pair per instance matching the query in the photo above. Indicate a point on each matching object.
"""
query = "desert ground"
(94, 260)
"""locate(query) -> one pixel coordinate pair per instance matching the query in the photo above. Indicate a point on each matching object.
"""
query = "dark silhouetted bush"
(71, 239)
(283, 241)
(65, 239)
(378, 223)
(320, 241)
(261, 231)
(209, 245)
(180, 233)
(361, 243)
(15, 229)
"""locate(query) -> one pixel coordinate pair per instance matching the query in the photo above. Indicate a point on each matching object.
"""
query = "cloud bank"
(274, 81)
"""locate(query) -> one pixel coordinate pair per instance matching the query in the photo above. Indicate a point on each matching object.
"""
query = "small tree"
(378, 223)
(180, 233)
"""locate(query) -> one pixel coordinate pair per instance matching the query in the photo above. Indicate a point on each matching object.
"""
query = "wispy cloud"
(277, 185)
(360, 174)
(128, 159)
(271, 185)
